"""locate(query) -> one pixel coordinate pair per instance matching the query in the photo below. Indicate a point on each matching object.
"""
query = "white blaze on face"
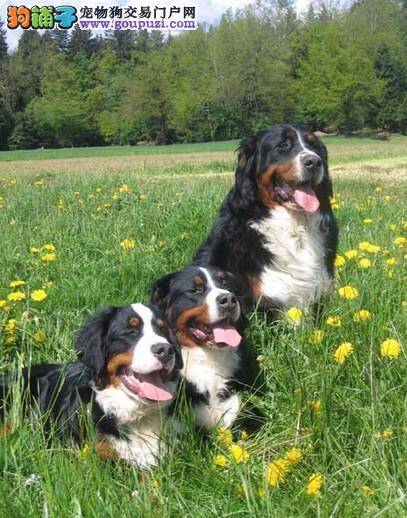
(306, 151)
(213, 294)
(144, 361)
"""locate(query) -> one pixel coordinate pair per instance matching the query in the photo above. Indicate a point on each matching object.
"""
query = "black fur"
(60, 391)
(232, 244)
(175, 294)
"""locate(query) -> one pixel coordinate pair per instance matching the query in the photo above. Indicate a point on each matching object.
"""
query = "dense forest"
(334, 69)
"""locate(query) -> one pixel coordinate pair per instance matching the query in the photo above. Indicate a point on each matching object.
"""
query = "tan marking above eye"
(160, 323)
(220, 275)
(198, 281)
(134, 321)
(290, 134)
(310, 138)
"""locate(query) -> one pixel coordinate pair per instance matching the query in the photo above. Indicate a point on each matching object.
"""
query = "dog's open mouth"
(147, 386)
(301, 196)
(220, 334)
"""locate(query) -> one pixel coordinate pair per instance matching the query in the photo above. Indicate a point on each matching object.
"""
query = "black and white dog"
(129, 365)
(202, 306)
(276, 231)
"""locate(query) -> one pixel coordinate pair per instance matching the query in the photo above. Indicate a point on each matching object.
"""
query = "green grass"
(167, 216)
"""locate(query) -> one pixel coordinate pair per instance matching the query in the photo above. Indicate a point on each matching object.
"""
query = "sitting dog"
(129, 365)
(276, 230)
(203, 309)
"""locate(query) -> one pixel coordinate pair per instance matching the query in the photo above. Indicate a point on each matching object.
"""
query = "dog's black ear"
(160, 290)
(325, 187)
(179, 362)
(91, 339)
(245, 175)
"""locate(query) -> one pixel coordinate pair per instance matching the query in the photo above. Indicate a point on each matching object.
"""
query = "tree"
(337, 85)
(81, 41)
(3, 44)
(122, 43)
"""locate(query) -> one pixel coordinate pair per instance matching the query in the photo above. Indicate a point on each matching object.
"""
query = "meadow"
(86, 228)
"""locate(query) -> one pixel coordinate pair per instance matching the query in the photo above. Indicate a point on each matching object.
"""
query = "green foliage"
(337, 67)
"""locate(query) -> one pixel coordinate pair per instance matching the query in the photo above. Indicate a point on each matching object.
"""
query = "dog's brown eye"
(285, 144)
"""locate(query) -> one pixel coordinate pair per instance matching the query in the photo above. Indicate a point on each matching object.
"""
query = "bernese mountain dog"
(276, 230)
(129, 369)
(203, 308)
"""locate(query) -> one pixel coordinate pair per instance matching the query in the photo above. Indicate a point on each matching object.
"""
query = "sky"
(208, 11)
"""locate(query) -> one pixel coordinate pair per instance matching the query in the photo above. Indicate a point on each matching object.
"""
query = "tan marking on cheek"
(105, 451)
(124, 359)
(286, 171)
(198, 313)
(255, 287)
(160, 323)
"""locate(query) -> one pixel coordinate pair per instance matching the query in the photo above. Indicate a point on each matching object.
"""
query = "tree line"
(333, 69)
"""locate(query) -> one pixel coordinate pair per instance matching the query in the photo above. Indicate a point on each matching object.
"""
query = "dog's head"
(284, 165)
(202, 306)
(131, 348)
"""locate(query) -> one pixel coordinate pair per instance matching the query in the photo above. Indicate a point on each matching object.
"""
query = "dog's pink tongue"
(306, 198)
(151, 387)
(226, 335)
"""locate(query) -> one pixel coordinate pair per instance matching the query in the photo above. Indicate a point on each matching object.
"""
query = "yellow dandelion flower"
(378, 189)
(38, 295)
(243, 435)
(339, 261)
(224, 436)
(261, 492)
(365, 263)
(333, 321)
(11, 325)
(47, 285)
(48, 258)
(239, 453)
(387, 197)
(393, 227)
(342, 352)
(3, 305)
(389, 273)
(142, 197)
(39, 337)
(367, 221)
(368, 247)
(351, 254)
(404, 304)
(315, 406)
(367, 491)
(85, 451)
(11, 339)
(390, 348)
(293, 456)
(50, 247)
(16, 296)
(335, 206)
(361, 315)
(276, 472)
(400, 241)
(391, 261)
(295, 314)
(315, 483)
(348, 292)
(34, 250)
(16, 283)
(316, 337)
(124, 188)
(39, 183)
(98, 189)
(387, 433)
(128, 244)
(220, 461)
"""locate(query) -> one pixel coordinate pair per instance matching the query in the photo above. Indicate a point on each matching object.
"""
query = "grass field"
(63, 217)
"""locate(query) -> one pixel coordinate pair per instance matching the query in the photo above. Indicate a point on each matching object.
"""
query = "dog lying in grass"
(203, 308)
(128, 369)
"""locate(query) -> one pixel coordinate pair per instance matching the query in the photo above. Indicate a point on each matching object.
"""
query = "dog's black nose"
(226, 300)
(163, 351)
(312, 162)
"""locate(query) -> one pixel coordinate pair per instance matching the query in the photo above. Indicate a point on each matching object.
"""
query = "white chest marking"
(209, 370)
(298, 275)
